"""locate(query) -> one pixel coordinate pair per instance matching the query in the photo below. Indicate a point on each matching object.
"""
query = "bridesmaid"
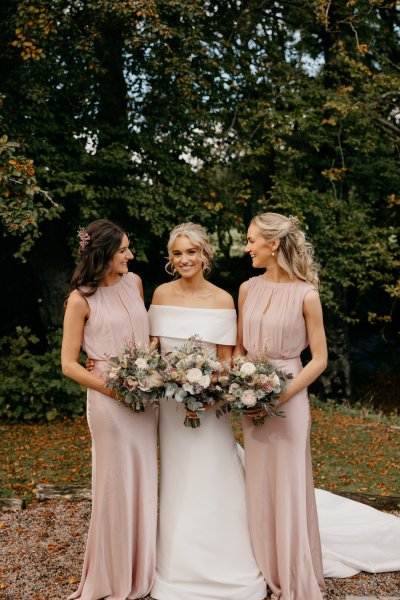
(280, 312)
(104, 310)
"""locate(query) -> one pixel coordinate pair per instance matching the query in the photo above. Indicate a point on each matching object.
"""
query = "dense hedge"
(32, 386)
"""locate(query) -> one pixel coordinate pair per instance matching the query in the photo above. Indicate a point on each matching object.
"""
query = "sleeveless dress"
(119, 561)
(282, 510)
(279, 485)
(203, 543)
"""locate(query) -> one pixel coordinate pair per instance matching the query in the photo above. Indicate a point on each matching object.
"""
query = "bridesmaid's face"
(119, 261)
(259, 249)
(186, 257)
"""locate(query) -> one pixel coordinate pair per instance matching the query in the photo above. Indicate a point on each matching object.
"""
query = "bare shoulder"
(138, 283)
(137, 279)
(222, 298)
(243, 291)
(77, 303)
(311, 302)
(244, 287)
(162, 293)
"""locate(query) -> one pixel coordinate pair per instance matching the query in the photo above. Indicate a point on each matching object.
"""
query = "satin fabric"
(283, 520)
(203, 543)
(280, 495)
(119, 561)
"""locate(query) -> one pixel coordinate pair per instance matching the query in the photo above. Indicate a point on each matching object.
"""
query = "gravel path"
(42, 551)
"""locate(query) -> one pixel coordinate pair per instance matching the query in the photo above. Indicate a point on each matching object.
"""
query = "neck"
(275, 274)
(192, 285)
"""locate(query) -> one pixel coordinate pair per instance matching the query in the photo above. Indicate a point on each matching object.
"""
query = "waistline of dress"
(100, 366)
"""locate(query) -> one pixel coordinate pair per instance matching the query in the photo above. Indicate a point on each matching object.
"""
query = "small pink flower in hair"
(84, 237)
(294, 220)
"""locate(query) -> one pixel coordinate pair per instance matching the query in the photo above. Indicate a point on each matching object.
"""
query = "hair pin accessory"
(84, 237)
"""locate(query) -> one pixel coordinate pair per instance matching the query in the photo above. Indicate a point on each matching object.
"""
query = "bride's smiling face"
(186, 259)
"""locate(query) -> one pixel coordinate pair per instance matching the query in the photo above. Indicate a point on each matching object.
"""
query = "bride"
(203, 542)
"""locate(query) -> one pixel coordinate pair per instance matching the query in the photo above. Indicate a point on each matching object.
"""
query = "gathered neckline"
(282, 282)
(113, 285)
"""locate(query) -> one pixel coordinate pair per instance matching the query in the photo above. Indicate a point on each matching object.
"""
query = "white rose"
(247, 368)
(113, 373)
(204, 381)
(274, 380)
(193, 375)
(233, 387)
(249, 398)
(215, 365)
(141, 363)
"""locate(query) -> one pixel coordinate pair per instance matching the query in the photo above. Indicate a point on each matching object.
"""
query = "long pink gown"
(119, 561)
(279, 484)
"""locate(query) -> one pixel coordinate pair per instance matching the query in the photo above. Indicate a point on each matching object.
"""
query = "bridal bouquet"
(135, 376)
(255, 385)
(193, 378)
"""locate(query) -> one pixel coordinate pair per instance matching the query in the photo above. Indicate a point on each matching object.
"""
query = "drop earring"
(273, 253)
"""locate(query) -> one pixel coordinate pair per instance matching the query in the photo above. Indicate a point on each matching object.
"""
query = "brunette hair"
(295, 254)
(199, 238)
(103, 238)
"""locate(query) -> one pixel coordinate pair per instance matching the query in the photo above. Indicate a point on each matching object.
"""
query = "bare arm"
(239, 348)
(76, 313)
(312, 311)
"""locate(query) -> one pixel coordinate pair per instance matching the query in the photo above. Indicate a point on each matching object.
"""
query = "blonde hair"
(295, 254)
(198, 236)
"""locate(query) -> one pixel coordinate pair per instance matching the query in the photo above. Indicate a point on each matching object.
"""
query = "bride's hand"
(255, 413)
(191, 414)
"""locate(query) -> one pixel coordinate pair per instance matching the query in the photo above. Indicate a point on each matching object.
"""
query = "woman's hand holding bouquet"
(254, 388)
(135, 375)
(194, 378)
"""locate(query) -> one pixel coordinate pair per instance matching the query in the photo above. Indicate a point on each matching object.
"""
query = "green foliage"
(20, 210)
(154, 112)
(32, 387)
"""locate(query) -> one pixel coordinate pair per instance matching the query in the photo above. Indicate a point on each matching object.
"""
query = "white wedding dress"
(203, 544)
(356, 537)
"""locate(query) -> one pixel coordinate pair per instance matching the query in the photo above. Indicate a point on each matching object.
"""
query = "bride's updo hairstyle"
(98, 244)
(198, 237)
(295, 254)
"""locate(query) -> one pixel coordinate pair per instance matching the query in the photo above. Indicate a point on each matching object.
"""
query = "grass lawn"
(354, 450)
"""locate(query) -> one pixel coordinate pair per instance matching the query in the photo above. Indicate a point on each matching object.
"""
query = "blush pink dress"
(279, 484)
(119, 561)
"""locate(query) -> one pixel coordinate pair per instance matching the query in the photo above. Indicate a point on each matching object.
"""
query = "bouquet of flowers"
(135, 375)
(255, 385)
(193, 378)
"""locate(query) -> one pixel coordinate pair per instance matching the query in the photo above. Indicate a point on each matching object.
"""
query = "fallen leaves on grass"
(43, 453)
(350, 453)
(353, 454)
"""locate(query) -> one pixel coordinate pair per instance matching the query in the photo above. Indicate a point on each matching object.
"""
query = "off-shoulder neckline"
(191, 308)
